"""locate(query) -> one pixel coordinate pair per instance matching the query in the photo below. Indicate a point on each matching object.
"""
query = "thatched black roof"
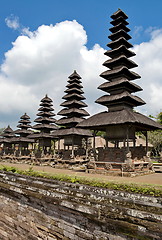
(24, 126)
(118, 27)
(73, 96)
(121, 84)
(46, 99)
(75, 90)
(8, 132)
(101, 120)
(75, 75)
(120, 102)
(45, 109)
(117, 73)
(122, 49)
(45, 126)
(119, 42)
(119, 13)
(73, 111)
(22, 140)
(45, 119)
(120, 60)
(23, 131)
(120, 33)
(25, 116)
(41, 135)
(45, 114)
(65, 121)
(72, 132)
(73, 103)
(119, 20)
(125, 96)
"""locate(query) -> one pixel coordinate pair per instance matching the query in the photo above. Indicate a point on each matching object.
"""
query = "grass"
(127, 187)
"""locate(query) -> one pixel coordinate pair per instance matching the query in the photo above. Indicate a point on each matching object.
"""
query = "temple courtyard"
(151, 179)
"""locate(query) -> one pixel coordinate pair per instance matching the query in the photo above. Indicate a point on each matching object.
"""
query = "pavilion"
(45, 124)
(7, 136)
(120, 122)
(22, 139)
(73, 113)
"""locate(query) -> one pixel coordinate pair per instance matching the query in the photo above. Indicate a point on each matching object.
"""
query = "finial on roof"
(46, 95)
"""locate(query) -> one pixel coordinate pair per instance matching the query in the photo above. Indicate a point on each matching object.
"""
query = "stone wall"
(37, 208)
(112, 154)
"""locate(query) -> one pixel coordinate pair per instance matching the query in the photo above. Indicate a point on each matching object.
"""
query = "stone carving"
(128, 167)
(108, 166)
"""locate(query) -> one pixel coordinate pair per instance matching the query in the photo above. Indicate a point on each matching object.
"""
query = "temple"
(45, 124)
(120, 122)
(22, 134)
(73, 113)
(6, 140)
(119, 150)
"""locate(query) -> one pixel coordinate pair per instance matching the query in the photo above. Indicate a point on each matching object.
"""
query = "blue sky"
(94, 15)
(21, 69)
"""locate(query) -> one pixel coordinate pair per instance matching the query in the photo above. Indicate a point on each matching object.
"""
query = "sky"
(43, 41)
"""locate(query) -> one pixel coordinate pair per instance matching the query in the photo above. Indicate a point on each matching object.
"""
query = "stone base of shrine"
(130, 169)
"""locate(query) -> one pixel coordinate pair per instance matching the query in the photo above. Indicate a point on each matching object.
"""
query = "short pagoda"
(73, 113)
(120, 122)
(45, 124)
(7, 136)
(22, 134)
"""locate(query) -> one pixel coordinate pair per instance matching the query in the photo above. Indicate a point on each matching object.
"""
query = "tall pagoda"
(120, 121)
(45, 124)
(73, 113)
(7, 136)
(23, 132)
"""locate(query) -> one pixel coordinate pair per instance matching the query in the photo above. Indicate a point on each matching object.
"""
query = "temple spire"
(119, 85)
(73, 111)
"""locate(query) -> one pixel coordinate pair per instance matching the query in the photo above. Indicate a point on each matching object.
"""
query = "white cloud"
(137, 31)
(41, 61)
(12, 22)
(149, 60)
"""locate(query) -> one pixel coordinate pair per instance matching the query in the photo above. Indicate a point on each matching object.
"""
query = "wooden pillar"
(124, 143)
(54, 147)
(86, 139)
(72, 154)
(94, 144)
(146, 142)
(127, 139)
(59, 143)
(94, 140)
(107, 142)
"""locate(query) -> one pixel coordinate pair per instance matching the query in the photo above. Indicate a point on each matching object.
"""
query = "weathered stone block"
(45, 209)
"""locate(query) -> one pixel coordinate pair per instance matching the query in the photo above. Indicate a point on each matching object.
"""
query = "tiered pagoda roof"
(119, 86)
(73, 111)
(23, 131)
(7, 135)
(119, 77)
(44, 121)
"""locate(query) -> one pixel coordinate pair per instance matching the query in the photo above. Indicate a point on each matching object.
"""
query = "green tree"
(155, 137)
(159, 117)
